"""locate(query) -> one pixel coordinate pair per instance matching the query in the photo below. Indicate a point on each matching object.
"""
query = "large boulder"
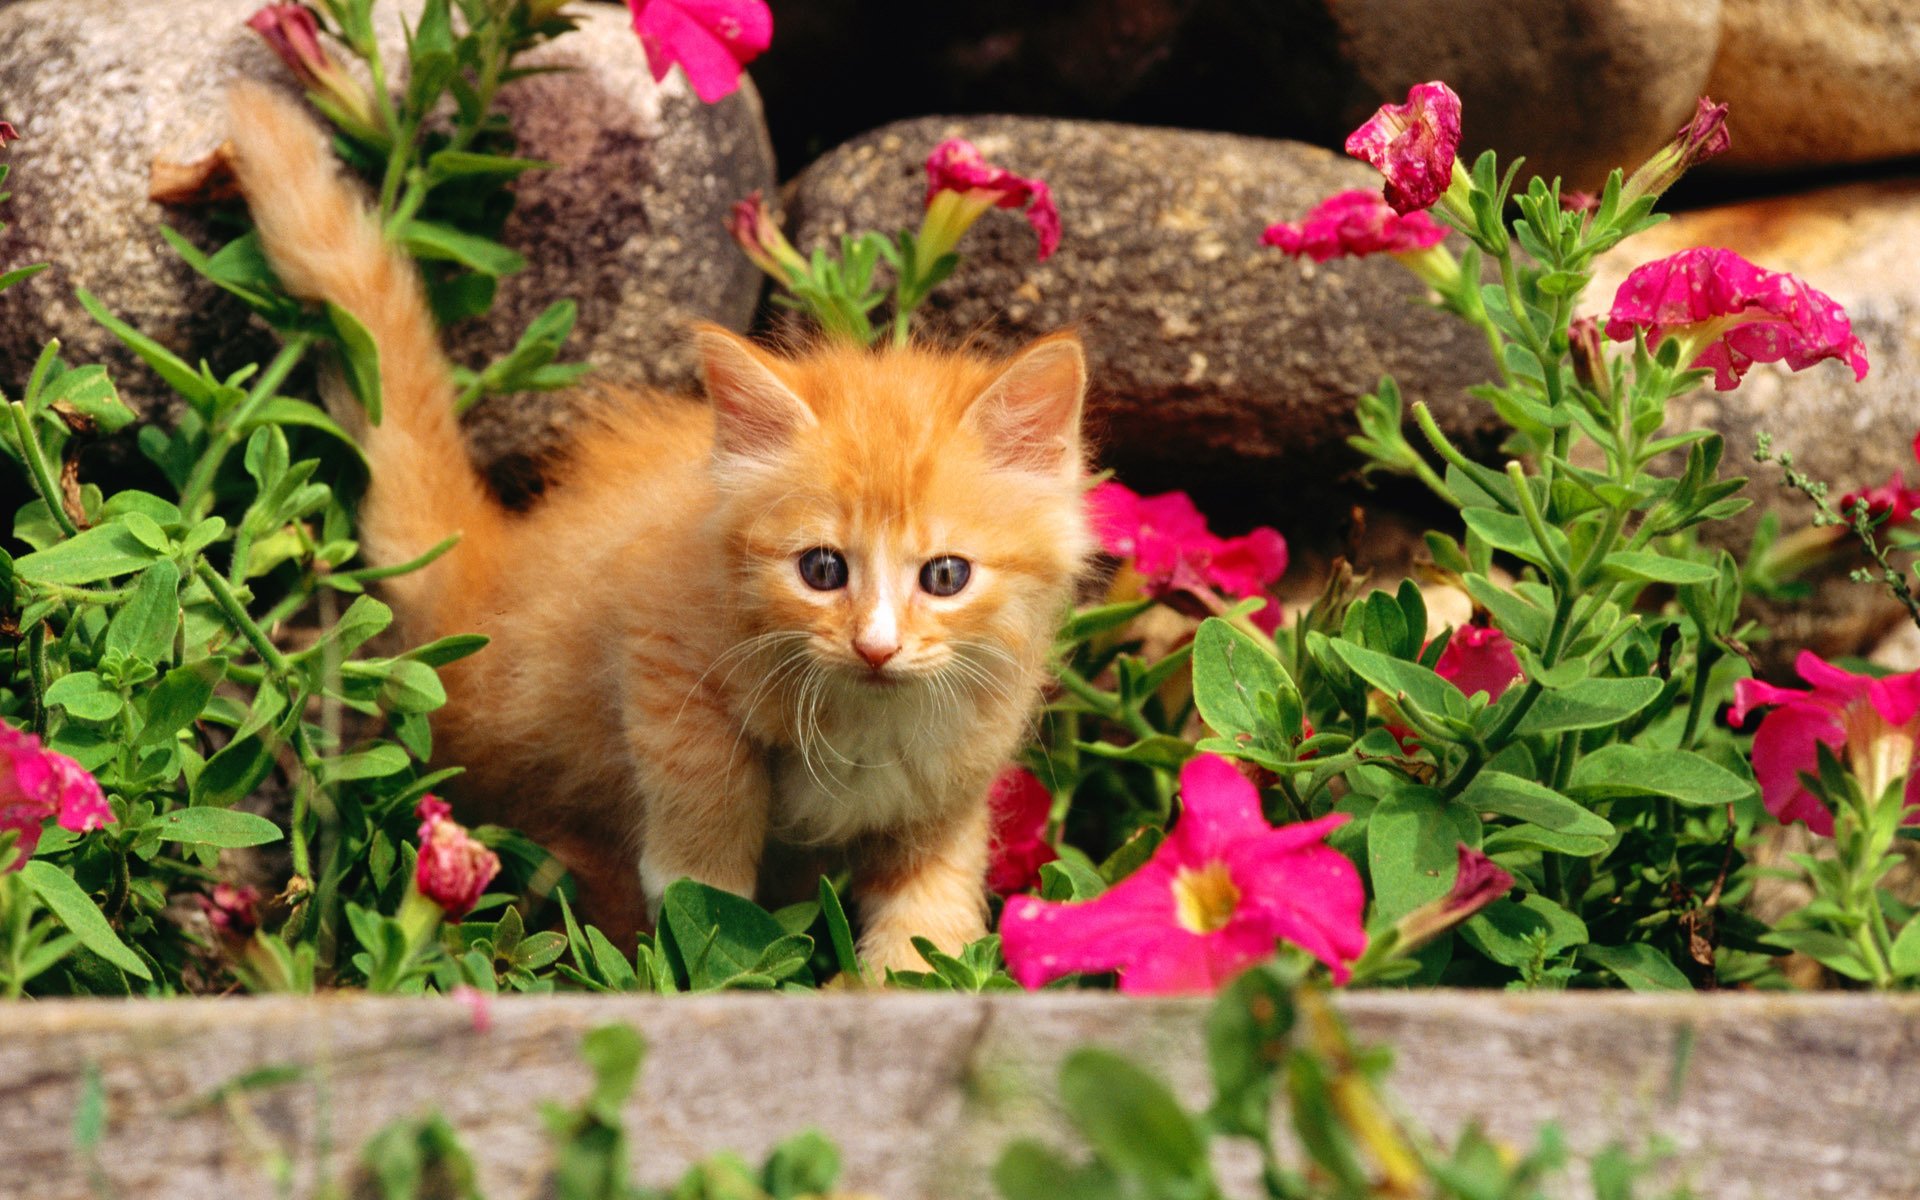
(1818, 82)
(1857, 244)
(1217, 364)
(1578, 86)
(631, 222)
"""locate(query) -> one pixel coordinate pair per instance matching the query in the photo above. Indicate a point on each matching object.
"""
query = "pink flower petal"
(1043, 940)
(1783, 748)
(1353, 225)
(1772, 317)
(1019, 804)
(1245, 565)
(711, 40)
(1479, 658)
(1413, 145)
(1219, 807)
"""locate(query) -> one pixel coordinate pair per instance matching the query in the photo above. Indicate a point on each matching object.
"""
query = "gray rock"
(1577, 86)
(1213, 358)
(1857, 244)
(631, 223)
(1816, 82)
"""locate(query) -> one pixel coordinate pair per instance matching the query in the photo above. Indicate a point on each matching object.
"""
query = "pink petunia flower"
(1479, 658)
(1731, 314)
(1020, 805)
(1871, 723)
(1413, 145)
(962, 185)
(1353, 225)
(710, 40)
(1215, 897)
(453, 869)
(1172, 548)
(1892, 501)
(231, 910)
(37, 783)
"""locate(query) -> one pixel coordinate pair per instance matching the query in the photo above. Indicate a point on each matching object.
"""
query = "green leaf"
(183, 379)
(1639, 566)
(83, 694)
(224, 827)
(412, 687)
(89, 392)
(1524, 800)
(360, 358)
(433, 240)
(1412, 855)
(721, 937)
(1236, 683)
(1070, 877)
(94, 554)
(178, 699)
(78, 913)
(1028, 1170)
(441, 651)
(1403, 681)
(377, 762)
(1134, 1122)
(1161, 751)
(1680, 775)
(1639, 966)
(1905, 958)
(1504, 931)
(462, 164)
(1589, 704)
(144, 626)
(839, 932)
(1089, 621)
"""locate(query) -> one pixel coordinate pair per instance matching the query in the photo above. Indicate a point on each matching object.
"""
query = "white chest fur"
(865, 765)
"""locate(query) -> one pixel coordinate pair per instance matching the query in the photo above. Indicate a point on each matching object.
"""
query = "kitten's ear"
(1030, 416)
(756, 415)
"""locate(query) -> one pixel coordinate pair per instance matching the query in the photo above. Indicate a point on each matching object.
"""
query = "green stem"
(1556, 565)
(223, 595)
(37, 471)
(197, 496)
(1423, 417)
(39, 673)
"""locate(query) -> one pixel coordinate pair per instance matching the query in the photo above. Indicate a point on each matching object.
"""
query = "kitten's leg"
(707, 797)
(932, 886)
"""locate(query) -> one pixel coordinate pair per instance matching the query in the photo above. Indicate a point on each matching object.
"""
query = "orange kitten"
(816, 609)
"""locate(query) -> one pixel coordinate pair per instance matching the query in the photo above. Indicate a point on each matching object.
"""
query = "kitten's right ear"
(756, 415)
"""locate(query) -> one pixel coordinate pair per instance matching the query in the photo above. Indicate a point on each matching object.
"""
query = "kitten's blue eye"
(945, 575)
(823, 569)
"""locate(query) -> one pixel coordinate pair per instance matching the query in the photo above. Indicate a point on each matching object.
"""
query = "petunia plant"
(842, 293)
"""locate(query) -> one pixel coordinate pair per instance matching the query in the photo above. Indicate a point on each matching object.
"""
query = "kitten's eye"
(823, 569)
(945, 575)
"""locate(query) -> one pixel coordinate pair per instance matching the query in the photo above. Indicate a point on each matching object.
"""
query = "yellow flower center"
(1204, 900)
(1879, 754)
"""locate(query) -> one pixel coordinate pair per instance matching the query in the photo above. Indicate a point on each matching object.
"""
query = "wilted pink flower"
(1477, 882)
(8, 134)
(1413, 145)
(711, 40)
(1479, 658)
(959, 179)
(1020, 805)
(453, 869)
(1892, 501)
(1172, 548)
(232, 910)
(37, 783)
(291, 31)
(1215, 897)
(758, 235)
(1732, 314)
(1353, 225)
(1702, 138)
(1579, 202)
(1871, 723)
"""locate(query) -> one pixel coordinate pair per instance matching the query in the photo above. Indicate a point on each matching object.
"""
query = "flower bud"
(1477, 883)
(453, 869)
(759, 237)
(291, 31)
(1700, 139)
(1589, 360)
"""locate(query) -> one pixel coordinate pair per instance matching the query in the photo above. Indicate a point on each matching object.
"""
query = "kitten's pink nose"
(875, 652)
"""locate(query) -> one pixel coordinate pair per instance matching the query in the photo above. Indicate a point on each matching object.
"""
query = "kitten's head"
(901, 515)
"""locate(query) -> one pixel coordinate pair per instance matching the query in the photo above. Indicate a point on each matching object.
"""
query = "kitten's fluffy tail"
(325, 246)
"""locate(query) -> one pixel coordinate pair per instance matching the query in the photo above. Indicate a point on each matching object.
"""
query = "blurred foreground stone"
(1212, 356)
(1795, 1097)
(630, 224)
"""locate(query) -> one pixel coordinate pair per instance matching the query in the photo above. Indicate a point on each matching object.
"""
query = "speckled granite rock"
(1813, 82)
(1857, 244)
(1212, 357)
(630, 224)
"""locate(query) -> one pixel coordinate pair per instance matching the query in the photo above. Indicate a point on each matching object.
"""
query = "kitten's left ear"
(1030, 416)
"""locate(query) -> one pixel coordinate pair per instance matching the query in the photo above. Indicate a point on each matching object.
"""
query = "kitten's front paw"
(892, 949)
